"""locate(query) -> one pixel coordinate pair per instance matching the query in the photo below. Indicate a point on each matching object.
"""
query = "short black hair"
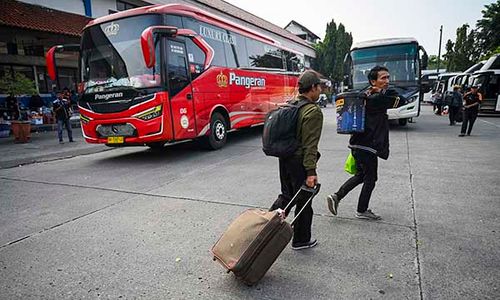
(373, 75)
(307, 89)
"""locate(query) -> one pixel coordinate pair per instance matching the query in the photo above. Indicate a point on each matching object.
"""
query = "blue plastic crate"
(350, 112)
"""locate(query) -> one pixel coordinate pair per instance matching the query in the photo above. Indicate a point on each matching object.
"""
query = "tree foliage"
(462, 53)
(331, 52)
(17, 84)
(488, 29)
(477, 44)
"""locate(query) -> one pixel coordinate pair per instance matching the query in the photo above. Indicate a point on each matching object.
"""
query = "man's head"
(310, 85)
(474, 88)
(379, 77)
(456, 88)
(59, 96)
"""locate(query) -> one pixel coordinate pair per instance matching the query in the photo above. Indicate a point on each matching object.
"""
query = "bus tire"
(218, 132)
(402, 122)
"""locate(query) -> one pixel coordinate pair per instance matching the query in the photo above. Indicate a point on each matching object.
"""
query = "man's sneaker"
(333, 203)
(461, 135)
(61, 142)
(306, 245)
(368, 215)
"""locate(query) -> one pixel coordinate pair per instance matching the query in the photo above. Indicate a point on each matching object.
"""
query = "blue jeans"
(60, 124)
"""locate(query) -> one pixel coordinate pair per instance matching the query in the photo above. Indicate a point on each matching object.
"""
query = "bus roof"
(187, 10)
(383, 42)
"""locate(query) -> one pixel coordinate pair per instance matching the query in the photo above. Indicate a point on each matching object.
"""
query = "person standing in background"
(471, 109)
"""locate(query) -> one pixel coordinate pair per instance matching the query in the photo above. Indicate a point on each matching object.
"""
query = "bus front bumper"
(406, 111)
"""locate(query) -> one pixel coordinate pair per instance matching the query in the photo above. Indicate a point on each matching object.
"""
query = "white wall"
(71, 6)
(99, 7)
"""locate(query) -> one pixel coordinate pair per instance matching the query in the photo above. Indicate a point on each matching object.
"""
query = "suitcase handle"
(314, 190)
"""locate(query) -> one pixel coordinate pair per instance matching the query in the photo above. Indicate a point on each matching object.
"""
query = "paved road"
(133, 223)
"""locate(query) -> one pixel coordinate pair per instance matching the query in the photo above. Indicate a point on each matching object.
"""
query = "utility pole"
(439, 50)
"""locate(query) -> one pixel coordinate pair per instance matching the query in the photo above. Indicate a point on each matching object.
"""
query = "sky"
(374, 19)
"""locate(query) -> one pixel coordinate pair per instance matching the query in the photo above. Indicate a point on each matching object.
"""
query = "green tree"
(17, 84)
(488, 27)
(331, 51)
(462, 53)
(343, 45)
(432, 65)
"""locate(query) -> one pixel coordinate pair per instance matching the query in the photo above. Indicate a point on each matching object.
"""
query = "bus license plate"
(115, 140)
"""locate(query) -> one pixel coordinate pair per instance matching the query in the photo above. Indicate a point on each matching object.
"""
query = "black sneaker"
(333, 203)
(306, 245)
(368, 215)
(461, 135)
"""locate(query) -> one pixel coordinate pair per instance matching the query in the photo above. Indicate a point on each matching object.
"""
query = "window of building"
(121, 6)
(12, 48)
(33, 50)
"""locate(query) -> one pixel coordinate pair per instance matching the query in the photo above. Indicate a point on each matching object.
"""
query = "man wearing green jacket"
(301, 167)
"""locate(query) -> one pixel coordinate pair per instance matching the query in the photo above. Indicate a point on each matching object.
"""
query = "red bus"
(166, 73)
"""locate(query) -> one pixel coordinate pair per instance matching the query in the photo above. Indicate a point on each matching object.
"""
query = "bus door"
(180, 90)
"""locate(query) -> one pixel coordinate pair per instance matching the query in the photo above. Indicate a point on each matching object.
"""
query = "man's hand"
(311, 181)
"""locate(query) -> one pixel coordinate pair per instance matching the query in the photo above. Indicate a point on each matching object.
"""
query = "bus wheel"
(156, 145)
(218, 132)
(402, 122)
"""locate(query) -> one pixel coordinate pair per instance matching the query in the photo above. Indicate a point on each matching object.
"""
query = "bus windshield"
(112, 56)
(401, 60)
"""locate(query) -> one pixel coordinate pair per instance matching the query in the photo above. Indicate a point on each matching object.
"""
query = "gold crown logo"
(222, 80)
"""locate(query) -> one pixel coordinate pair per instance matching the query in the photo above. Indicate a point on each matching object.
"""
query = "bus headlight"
(150, 113)
(412, 99)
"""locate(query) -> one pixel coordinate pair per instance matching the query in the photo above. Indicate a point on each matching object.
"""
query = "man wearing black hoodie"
(367, 146)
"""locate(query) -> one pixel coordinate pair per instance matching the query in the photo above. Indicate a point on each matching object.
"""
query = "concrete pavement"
(133, 223)
(44, 146)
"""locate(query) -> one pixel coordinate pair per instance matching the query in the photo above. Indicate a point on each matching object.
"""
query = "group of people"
(464, 107)
(366, 147)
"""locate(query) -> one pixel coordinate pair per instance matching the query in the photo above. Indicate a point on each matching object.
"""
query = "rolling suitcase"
(254, 240)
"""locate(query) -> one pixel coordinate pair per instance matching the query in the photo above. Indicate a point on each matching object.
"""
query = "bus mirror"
(50, 57)
(148, 42)
(425, 58)
(425, 61)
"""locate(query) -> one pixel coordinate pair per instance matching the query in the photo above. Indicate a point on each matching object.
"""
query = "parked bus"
(488, 81)
(429, 80)
(166, 73)
(402, 57)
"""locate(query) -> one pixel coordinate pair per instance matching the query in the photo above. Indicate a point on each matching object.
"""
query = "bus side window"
(212, 35)
(196, 58)
(177, 70)
(241, 50)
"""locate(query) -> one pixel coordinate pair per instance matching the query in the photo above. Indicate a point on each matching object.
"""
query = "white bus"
(402, 56)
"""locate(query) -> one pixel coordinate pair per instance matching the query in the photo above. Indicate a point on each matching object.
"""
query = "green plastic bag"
(350, 165)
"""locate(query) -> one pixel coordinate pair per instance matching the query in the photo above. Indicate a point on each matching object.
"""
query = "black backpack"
(279, 137)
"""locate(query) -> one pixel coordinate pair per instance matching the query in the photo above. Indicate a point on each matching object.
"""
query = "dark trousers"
(60, 124)
(469, 119)
(366, 165)
(453, 111)
(292, 177)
